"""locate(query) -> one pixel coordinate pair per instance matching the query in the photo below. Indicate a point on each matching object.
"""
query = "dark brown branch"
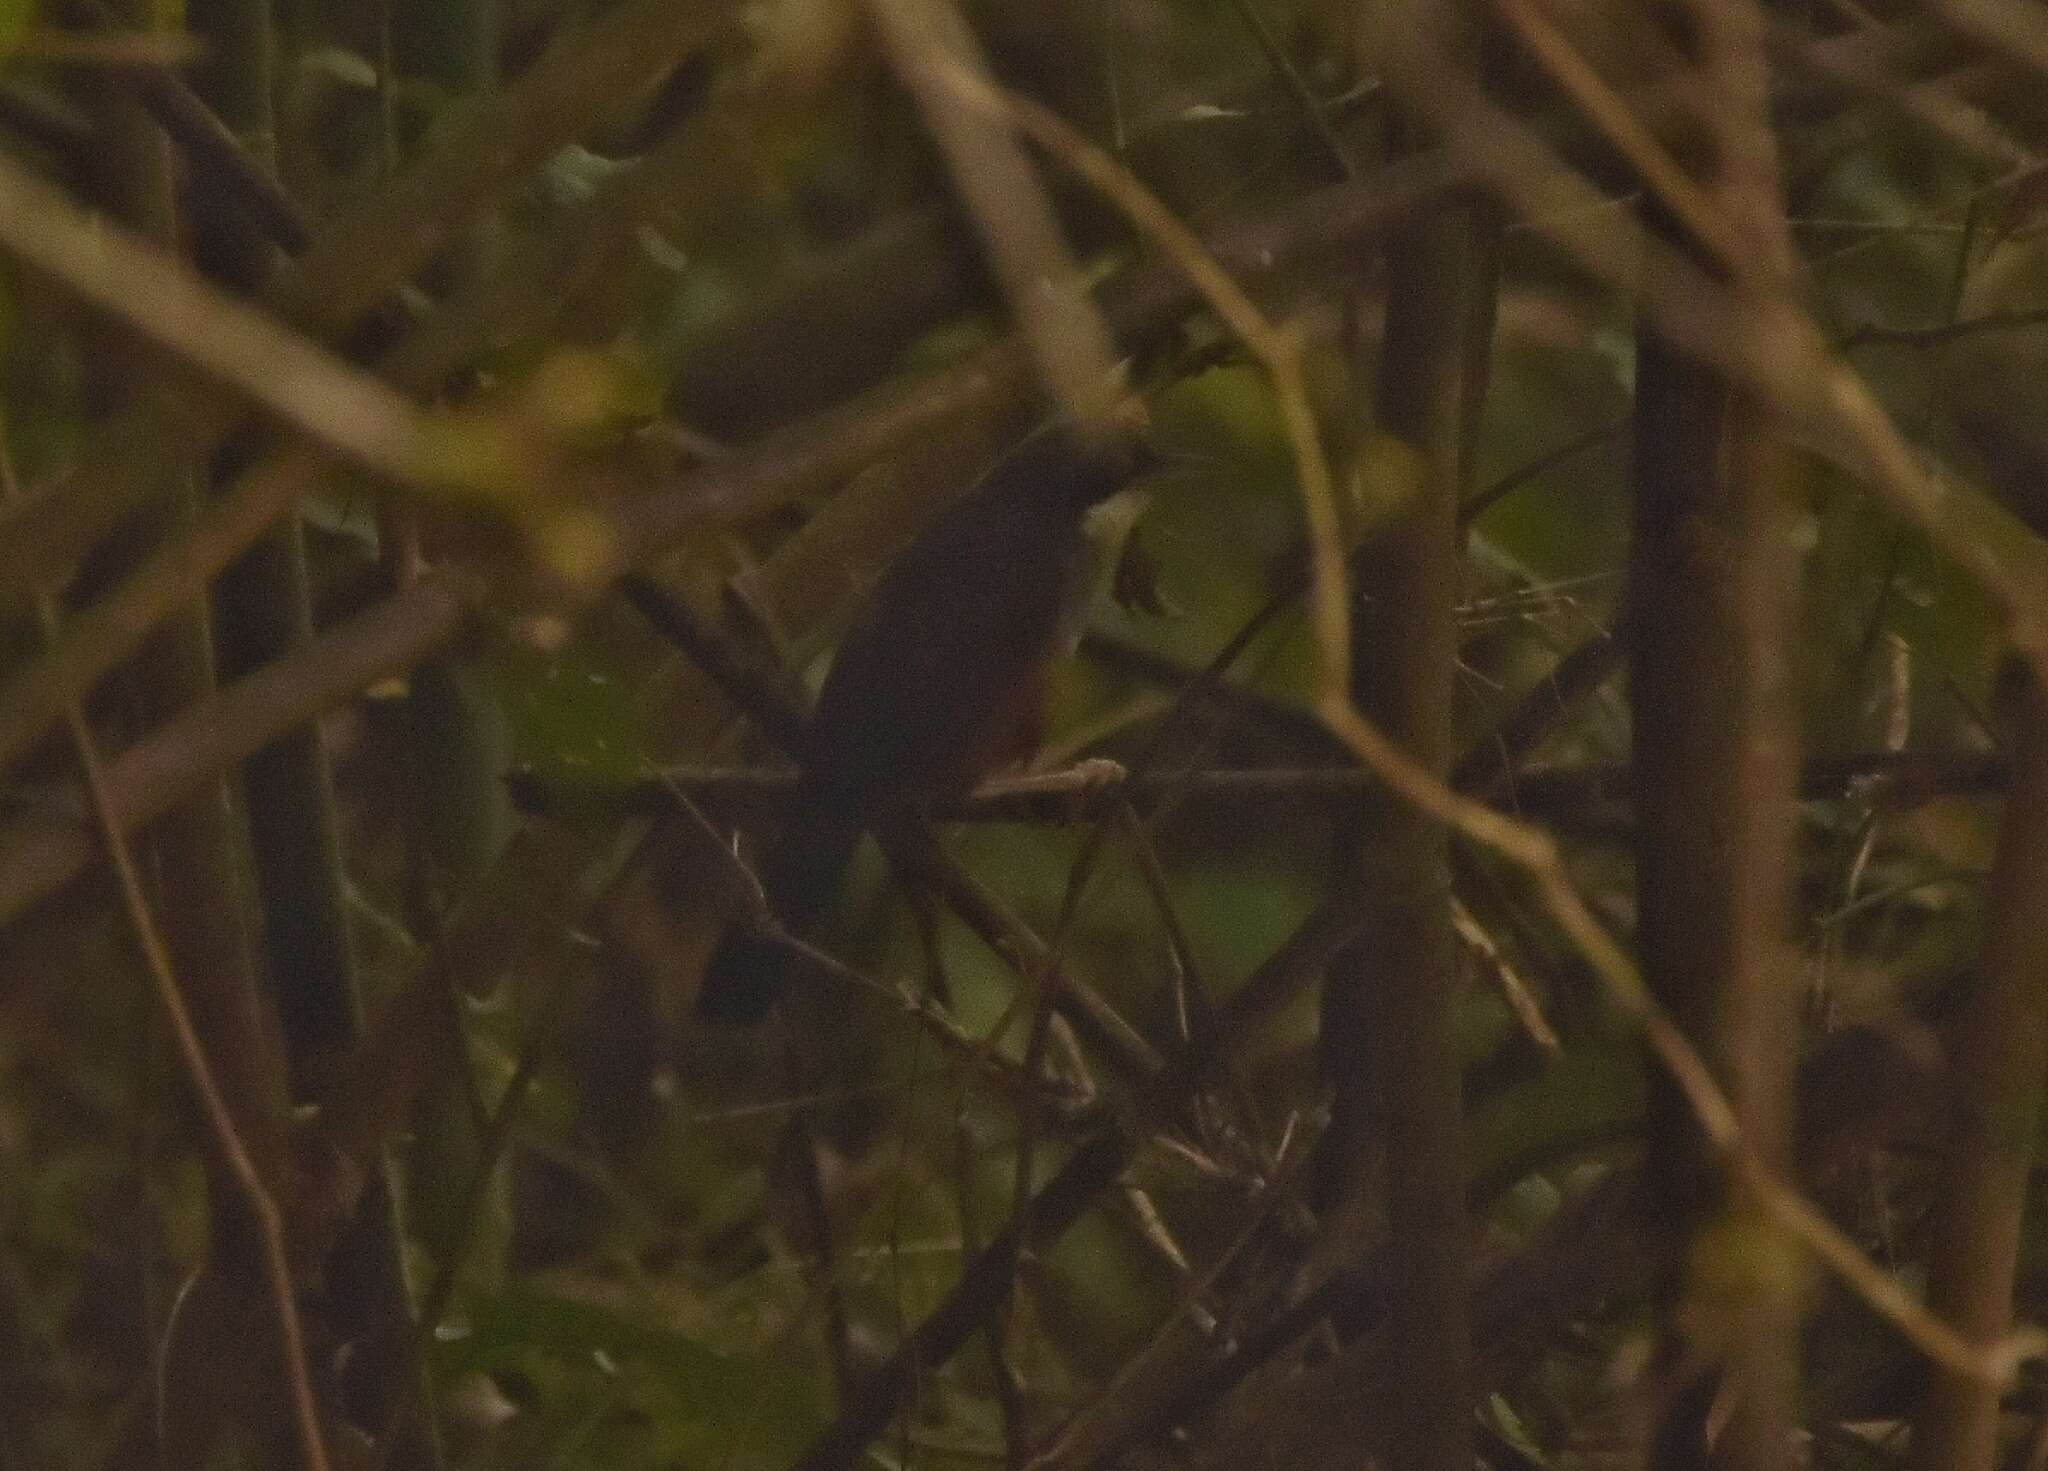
(755, 689)
(1864, 1090)
(985, 1282)
(1390, 1003)
(224, 169)
(194, 924)
(1143, 301)
(41, 851)
(1493, 768)
(1712, 599)
(521, 909)
(360, 259)
(916, 851)
(2001, 1039)
(1545, 793)
(419, 364)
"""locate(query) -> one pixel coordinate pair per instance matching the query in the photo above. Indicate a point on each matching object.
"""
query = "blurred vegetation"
(686, 295)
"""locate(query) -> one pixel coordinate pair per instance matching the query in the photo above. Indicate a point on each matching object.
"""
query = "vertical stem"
(1713, 591)
(265, 602)
(456, 815)
(193, 859)
(1390, 1005)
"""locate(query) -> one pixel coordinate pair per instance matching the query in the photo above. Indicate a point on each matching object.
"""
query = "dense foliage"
(444, 445)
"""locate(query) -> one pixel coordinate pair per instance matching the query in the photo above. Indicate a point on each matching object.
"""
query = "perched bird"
(941, 681)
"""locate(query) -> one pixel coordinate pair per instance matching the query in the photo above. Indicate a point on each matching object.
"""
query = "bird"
(941, 680)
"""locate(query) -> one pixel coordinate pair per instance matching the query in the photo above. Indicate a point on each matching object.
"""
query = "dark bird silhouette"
(941, 681)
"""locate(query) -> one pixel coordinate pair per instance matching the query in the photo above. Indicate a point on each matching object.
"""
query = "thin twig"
(219, 333)
(1048, 295)
(199, 1072)
(1278, 347)
(209, 145)
(41, 851)
(1563, 791)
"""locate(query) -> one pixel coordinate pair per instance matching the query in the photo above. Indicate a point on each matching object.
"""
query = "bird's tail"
(800, 875)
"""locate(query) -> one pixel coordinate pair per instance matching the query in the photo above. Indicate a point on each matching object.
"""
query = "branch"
(1019, 232)
(831, 447)
(1547, 793)
(209, 145)
(226, 337)
(2000, 1041)
(41, 851)
(361, 258)
(985, 1282)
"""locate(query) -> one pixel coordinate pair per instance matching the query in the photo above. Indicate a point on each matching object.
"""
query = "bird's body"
(940, 681)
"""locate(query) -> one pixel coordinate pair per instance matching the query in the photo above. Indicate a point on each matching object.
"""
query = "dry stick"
(2016, 30)
(1075, 358)
(917, 849)
(1672, 186)
(1998, 1048)
(1529, 848)
(1559, 792)
(1492, 769)
(357, 261)
(1770, 346)
(1009, 1401)
(208, 144)
(39, 852)
(156, 956)
(269, 1222)
(1480, 503)
(1517, 993)
(1955, 121)
(96, 639)
(1311, 107)
(1045, 983)
(1198, 1009)
(1101, 1420)
(115, 270)
(490, 1149)
(985, 1281)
